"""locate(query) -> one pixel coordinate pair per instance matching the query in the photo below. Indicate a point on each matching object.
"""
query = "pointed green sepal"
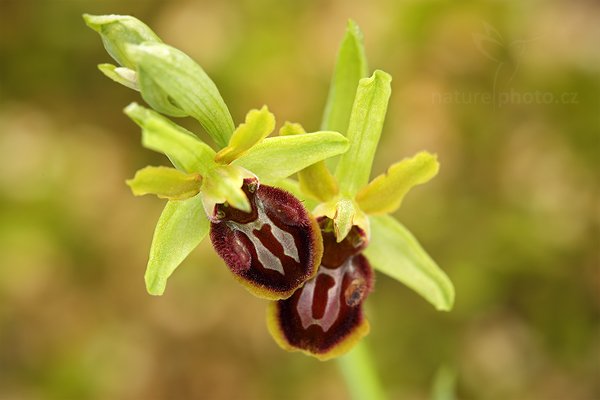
(259, 124)
(166, 183)
(350, 67)
(279, 157)
(185, 150)
(385, 193)
(117, 31)
(394, 251)
(223, 184)
(315, 180)
(164, 69)
(180, 228)
(364, 130)
(123, 75)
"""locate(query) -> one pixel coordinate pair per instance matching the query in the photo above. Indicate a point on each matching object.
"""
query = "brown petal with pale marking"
(271, 250)
(325, 318)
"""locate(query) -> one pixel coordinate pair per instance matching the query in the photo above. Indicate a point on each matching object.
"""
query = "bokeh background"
(513, 216)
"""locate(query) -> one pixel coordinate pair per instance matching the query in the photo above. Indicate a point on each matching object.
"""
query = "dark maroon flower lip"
(334, 253)
(273, 249)
(324, 318)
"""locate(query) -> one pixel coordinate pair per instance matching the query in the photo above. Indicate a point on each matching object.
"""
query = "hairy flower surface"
(273, 248)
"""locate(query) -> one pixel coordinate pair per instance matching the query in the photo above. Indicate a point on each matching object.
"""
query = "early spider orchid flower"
(317, 268)
(264, 234)
(325, 318)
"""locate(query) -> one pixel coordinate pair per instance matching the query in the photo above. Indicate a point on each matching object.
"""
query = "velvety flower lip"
(324, 318)
(273, 249)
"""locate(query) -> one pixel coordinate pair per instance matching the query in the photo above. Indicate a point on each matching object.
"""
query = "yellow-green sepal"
(180, 228)
(278, 157)
(258, 125)
(394, 251)
(165, 182)
(385, 193)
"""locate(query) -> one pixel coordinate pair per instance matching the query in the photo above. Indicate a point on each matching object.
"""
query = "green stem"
(360, 374)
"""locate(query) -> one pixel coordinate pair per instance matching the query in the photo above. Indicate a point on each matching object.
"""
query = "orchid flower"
(315, 267)
(324, 318)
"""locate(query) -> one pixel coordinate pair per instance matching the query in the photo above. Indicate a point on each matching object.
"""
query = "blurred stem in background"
(360, 374)
(444, 384)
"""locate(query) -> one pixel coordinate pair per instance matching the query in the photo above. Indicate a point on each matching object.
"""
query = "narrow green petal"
(166, 183)
(187, 86)
(180, 228)
(385, 193)
(394, 251)
(350, 67)
(315, 180)
(366, 122)
(117, 31)
(279, 157)
(259, 124)
(124, 76)
(184, 149)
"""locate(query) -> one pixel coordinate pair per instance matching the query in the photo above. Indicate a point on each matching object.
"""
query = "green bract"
(119, 31)
(171, 80)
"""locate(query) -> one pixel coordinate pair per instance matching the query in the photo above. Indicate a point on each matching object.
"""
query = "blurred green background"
(513, 216)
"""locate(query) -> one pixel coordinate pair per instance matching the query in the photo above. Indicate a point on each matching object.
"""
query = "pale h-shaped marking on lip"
(267, 259)
(332, 306)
